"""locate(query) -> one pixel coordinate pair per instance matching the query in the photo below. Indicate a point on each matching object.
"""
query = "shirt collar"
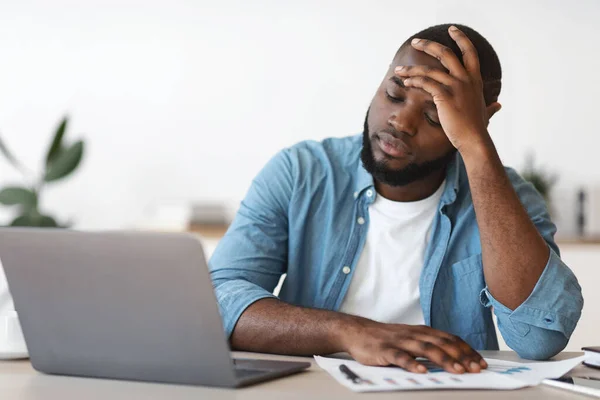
(452, 180)
(364, 180)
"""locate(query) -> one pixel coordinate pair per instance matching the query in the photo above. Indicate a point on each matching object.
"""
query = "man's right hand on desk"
(374, 343)
(272, 326)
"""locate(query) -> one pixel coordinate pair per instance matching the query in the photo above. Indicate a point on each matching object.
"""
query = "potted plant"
(61, 160)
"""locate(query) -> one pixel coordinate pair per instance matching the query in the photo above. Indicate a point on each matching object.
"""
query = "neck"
(413, 191)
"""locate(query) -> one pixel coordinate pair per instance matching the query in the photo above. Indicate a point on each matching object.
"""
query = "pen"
(349, 374)
(591, 378)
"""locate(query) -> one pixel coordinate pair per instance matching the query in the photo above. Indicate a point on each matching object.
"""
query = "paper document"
(500, 374)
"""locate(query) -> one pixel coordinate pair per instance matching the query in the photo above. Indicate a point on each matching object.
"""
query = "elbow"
(538, 344)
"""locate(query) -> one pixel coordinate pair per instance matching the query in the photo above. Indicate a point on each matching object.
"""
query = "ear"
(492, 109)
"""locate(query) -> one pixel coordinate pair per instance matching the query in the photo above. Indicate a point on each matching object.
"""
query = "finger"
(432, 352)
(464, 354)
(434, 88)
(455, 346)
(477, 362)
(444, 55)
(471, 354)
(425, 70)
(402, 359)
(469, 53)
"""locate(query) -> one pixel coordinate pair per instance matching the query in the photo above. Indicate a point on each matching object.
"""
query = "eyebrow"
(399, 82)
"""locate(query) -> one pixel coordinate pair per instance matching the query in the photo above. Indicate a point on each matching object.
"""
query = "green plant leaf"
(14, 195)
(35, 220)
(48, 222)
(65, 162)
(22, 220)
(56, 145)
(9, 156)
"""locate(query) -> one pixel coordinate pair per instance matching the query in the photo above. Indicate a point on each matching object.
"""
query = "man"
(398, 242)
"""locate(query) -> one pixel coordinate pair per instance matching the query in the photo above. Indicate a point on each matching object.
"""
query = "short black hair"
(491, 71)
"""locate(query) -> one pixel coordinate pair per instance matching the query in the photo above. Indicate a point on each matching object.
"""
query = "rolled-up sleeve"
(252, 256)
(541, 326)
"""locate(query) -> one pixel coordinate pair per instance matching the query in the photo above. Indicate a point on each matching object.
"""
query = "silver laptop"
(123, 305)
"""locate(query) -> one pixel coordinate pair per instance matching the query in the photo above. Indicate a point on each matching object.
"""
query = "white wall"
(186, 100)
(584, 261)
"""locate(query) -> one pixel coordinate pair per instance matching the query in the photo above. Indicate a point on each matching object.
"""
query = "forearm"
(272, 326)
(514, 254)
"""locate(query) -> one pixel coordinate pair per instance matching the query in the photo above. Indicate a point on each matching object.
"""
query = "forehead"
(410, 56)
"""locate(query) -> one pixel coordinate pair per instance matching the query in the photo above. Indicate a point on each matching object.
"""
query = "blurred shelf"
(578, 240)
(209, 231)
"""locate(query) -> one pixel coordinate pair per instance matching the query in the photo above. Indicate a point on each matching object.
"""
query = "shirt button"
(355, 194)
(369, 193)
(346, 270)
(360, 220)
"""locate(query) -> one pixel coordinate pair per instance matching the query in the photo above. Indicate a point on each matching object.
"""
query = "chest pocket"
(458, 299)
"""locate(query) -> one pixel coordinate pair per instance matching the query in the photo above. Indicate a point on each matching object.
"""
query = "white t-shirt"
(385, 284)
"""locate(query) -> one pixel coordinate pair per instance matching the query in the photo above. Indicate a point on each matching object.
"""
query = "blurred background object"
(542, 180)
(209, 219)
(62, 159)
(588, 212)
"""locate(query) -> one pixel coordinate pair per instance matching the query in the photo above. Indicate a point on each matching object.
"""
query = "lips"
(392, 146)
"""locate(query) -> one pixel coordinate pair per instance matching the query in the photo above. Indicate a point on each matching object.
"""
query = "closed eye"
(432, 122)
(394, 99)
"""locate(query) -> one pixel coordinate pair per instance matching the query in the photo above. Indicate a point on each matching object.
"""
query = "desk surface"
(18, 380)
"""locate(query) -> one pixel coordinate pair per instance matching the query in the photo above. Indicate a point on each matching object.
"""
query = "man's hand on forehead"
(457, 92)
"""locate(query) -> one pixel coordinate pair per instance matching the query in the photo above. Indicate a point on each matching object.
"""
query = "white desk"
(18, 380)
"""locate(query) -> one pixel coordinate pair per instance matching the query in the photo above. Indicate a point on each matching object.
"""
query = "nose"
(404, 120)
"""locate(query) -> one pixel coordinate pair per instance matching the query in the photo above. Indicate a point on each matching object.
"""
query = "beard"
(399, 177)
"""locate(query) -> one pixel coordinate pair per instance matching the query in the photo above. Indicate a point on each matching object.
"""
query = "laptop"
(123, 305)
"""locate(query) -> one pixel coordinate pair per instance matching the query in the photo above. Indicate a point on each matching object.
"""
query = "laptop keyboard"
(252, 368)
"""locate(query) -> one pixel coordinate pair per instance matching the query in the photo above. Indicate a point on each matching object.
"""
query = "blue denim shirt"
(306, 215)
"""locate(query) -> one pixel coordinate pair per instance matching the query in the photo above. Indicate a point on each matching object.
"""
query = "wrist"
(478, 151)
(345, 331)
